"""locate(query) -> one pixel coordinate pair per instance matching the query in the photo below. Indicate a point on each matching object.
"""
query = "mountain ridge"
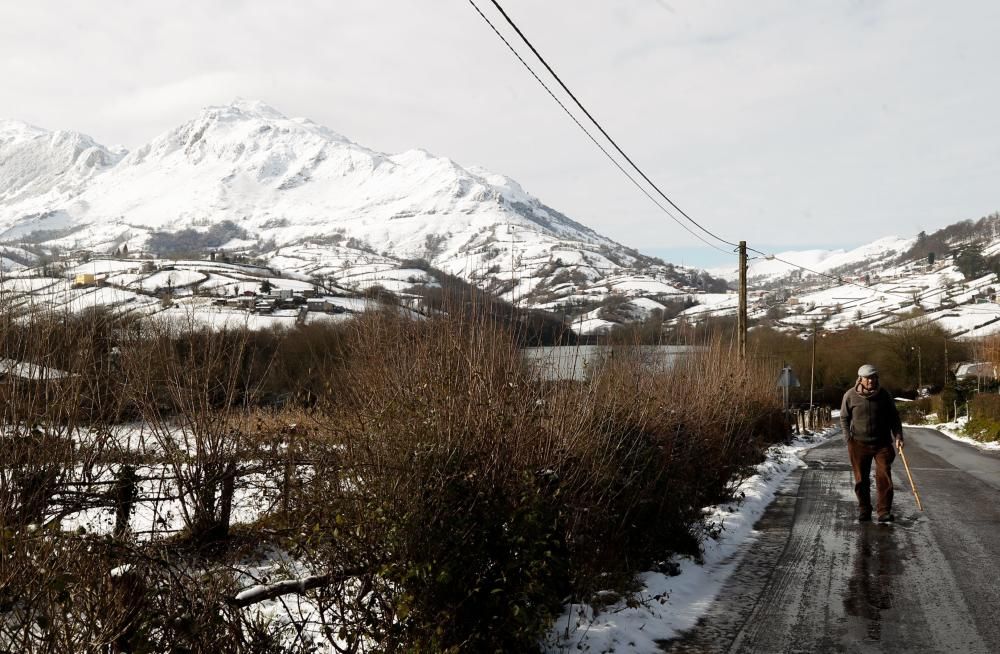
(280, 184)
(948, 279)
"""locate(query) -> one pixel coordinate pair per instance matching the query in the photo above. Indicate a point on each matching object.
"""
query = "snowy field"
(158, 510)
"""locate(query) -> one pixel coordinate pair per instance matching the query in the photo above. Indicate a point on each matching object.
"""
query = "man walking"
(871, 422)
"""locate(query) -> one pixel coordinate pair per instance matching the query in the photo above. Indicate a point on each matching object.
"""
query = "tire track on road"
(816, 580)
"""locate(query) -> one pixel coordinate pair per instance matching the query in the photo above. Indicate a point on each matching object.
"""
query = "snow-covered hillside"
(762, 270)
(880, 294)
(947, 278)
(42, 170)
(245, 178)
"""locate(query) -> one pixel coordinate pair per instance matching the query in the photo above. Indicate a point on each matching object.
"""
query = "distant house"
(85, 279)
(21, 378)
(12, 371)
(243, 302)
(976, 370)
(324, 305)
(413, 302)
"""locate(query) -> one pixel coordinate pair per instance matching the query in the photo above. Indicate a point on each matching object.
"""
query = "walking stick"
(912, 485)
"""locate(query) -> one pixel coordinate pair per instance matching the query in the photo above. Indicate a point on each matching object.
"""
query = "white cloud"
(781, 121)
(182, 97)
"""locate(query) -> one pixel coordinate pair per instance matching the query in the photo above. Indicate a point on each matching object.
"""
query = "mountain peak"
(35, 162)
(252, 118)
(251, 107)
(15, 129)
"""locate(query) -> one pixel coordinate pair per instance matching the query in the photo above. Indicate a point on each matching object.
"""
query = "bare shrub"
(443, 495)
(646, 449)
(55, 383)
(195, 389)
(56, 595)
(483, 496)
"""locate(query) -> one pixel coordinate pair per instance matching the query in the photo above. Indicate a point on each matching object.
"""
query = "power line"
(601, 129)
(620, 151)
(596, 142)
(839, 280)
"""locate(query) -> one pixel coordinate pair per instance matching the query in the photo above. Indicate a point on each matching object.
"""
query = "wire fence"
(158, 500)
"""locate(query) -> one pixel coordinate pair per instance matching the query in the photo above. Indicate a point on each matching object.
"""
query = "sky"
(789, 124)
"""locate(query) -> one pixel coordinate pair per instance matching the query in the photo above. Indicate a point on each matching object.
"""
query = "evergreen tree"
(971, 262)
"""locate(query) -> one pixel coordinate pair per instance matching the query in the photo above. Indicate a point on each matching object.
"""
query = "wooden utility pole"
(812, 371)
(946, 369)
(920, 369)
(742, 316)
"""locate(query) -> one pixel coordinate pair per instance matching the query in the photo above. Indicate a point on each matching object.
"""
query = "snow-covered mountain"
(246, 178)
(40, 169)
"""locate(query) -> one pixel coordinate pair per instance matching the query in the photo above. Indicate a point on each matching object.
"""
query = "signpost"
(786, 380)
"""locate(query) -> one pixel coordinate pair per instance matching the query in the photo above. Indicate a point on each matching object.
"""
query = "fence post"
(226, 501)
(124, 495)
(286, 486)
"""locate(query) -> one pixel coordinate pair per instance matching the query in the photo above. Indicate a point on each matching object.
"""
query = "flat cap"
(867, 370)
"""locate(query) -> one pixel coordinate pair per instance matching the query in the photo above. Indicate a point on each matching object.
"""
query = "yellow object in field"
(85, 278)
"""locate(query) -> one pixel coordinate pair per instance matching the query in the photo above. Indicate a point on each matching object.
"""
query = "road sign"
(787, 378)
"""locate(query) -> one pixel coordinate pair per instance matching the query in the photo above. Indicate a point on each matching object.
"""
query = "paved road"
(817, 581)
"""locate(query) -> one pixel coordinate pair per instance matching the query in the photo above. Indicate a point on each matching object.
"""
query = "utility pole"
(742, 316)
(946, 369)
(920, 369)
(812, 371)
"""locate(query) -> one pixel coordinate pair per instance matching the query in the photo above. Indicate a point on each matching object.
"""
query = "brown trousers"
(862, 455)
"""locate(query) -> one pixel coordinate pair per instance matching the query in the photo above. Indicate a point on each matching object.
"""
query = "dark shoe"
(865, 517)
(885, 517)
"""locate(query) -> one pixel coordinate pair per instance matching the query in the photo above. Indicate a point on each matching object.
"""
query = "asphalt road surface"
(818, 581)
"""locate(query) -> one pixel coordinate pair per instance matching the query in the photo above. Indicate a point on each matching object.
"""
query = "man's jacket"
(869, 419)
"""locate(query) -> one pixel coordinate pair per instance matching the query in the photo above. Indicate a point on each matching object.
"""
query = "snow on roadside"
(669, 605)
(956, 431)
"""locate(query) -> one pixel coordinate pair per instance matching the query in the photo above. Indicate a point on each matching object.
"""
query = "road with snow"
(818, 581)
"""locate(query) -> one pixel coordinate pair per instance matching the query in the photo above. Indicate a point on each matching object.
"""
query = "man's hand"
(899, 441)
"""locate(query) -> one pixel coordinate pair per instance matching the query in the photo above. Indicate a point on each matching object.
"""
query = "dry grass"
(486, 496)
(452, 499)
